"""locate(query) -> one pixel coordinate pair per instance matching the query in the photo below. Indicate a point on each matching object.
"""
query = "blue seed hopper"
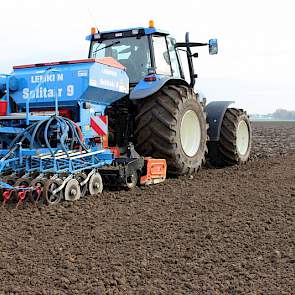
(100, 82)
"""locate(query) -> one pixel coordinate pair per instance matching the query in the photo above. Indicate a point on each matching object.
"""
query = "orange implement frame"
(156, 170)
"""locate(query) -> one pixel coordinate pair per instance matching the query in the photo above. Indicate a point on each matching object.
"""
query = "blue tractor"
(162, 115)
(122, 117)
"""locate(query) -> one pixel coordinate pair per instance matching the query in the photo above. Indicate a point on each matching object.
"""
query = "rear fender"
(147, 88)
(215, 112)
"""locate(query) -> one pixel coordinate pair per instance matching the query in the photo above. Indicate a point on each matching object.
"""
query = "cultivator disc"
(95, 184)
(72, 190)
(52, 194)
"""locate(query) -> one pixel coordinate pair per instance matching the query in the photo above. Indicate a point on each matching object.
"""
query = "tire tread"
(156, 128)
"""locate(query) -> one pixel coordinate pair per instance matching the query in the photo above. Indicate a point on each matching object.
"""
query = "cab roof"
(139, 31)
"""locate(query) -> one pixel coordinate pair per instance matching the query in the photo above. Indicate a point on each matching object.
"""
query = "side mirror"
(213, 46)
(173, 41)
(166, 57)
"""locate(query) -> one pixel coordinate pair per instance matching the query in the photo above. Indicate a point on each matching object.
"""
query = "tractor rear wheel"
(234, 145)
(171, 124)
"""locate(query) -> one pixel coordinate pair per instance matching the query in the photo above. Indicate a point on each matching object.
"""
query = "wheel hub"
(243, 138)
(190, 133)
(73, 192)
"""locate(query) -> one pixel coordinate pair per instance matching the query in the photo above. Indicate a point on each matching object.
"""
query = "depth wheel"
(95, 185)
(49, 187)
(72, 190)
(131, 179)
(171, 124)
(234, 145)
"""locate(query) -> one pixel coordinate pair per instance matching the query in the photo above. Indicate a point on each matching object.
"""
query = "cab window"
(173, 58)
(162, 59)
(132, 52)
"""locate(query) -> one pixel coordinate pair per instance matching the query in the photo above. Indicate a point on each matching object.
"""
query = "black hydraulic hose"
(11, 151)
(13, 147)
(70, 128)
(46, 135)
(35, 132)
(76, 134)
(63, 134)
(21, 134)
(66, 126)
(78, 137)
(73, 133)
(37, 129)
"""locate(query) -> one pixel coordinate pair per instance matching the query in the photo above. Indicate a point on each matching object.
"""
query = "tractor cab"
(142, 51)
(146, 51)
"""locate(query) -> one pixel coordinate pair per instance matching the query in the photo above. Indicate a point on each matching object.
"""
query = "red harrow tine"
(6, 196)
(22, 188)
(37, 185)
(21, 195)
(38, 190)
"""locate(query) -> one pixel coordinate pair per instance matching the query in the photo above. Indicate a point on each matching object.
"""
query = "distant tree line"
(281, 114)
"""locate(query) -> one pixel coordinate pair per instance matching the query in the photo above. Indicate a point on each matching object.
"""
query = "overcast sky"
(255, 66)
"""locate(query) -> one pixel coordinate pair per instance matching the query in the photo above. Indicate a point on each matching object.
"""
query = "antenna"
(93, 18)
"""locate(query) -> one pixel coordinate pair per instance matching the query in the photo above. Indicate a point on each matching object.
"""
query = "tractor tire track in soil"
(224, 231)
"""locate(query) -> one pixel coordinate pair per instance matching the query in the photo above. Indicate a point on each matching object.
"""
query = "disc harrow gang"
(50, 190)
(49, 162)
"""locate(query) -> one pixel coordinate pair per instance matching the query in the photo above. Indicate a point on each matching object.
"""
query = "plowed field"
(225, 231)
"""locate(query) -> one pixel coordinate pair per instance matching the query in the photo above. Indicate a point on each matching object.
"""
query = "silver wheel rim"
(190, 133)
(72, 190)
(243, 138)
(95, 184)
(54, 199)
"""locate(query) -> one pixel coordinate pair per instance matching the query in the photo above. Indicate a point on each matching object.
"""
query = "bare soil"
(225, 231)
